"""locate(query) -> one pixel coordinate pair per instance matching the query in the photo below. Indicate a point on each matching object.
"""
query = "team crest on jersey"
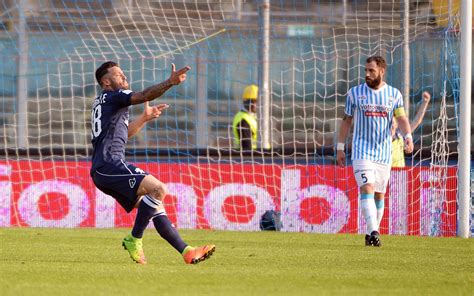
(132, 182)
(390, 101)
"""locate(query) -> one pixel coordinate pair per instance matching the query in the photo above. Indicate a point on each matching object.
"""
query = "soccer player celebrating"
(129, 185)
(373, 105)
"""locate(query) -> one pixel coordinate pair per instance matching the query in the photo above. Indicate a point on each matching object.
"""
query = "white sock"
(369, 211)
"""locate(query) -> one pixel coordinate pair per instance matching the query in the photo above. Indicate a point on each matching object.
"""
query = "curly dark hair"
(380, 61)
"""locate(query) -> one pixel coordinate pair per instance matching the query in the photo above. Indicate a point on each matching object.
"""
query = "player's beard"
(125, 85)
(120, 85)
(373, 83)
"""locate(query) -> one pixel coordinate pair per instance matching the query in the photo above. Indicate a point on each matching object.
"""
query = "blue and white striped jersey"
(372, 113)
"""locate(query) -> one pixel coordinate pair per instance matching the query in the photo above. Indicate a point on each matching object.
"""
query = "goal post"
(465, 120)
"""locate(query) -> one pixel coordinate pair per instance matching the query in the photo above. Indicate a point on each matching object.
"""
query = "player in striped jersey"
(372, 105)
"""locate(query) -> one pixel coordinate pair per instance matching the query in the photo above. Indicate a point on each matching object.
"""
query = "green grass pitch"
(92, 262)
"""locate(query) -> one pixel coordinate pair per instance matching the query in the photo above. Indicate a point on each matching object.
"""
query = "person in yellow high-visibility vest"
(398, 154)
(245, 124)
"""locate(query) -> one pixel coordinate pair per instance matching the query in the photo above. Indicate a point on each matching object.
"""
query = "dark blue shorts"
(121, 181)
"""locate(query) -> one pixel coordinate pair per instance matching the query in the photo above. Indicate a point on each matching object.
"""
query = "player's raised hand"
(152, 112)
(426, 96)
(179, 76)
(408, 145)
(341, 158)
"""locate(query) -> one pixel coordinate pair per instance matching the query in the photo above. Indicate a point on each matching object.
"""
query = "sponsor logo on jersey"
(139, 171)
(126, 91)
(376, 110)
(376, 114)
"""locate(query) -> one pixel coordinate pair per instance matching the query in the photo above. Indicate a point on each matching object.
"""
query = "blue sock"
(380, 205)
(144, 213)
(168, 232)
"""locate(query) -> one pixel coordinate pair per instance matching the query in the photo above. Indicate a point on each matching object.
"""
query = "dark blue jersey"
(109, 118)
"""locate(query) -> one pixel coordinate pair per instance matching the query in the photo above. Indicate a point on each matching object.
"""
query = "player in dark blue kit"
(129, 185)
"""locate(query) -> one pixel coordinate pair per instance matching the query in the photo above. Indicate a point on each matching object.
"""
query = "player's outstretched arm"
(404, 126)
(341, 139)
(149, 113)
(421, 111)
(157, 90)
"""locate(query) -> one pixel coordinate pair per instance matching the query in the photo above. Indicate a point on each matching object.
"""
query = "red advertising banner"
(313, 198)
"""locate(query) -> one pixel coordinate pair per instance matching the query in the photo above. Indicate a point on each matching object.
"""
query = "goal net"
(317, 51)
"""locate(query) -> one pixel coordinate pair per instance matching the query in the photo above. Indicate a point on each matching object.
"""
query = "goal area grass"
(84, 261)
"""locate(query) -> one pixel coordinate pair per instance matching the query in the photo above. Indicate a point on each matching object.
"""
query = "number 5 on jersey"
(365, 177)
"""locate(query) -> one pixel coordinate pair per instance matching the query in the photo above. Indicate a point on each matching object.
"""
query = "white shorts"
(369, 172)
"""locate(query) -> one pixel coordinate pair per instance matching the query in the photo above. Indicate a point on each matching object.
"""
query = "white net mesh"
(317, 52)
